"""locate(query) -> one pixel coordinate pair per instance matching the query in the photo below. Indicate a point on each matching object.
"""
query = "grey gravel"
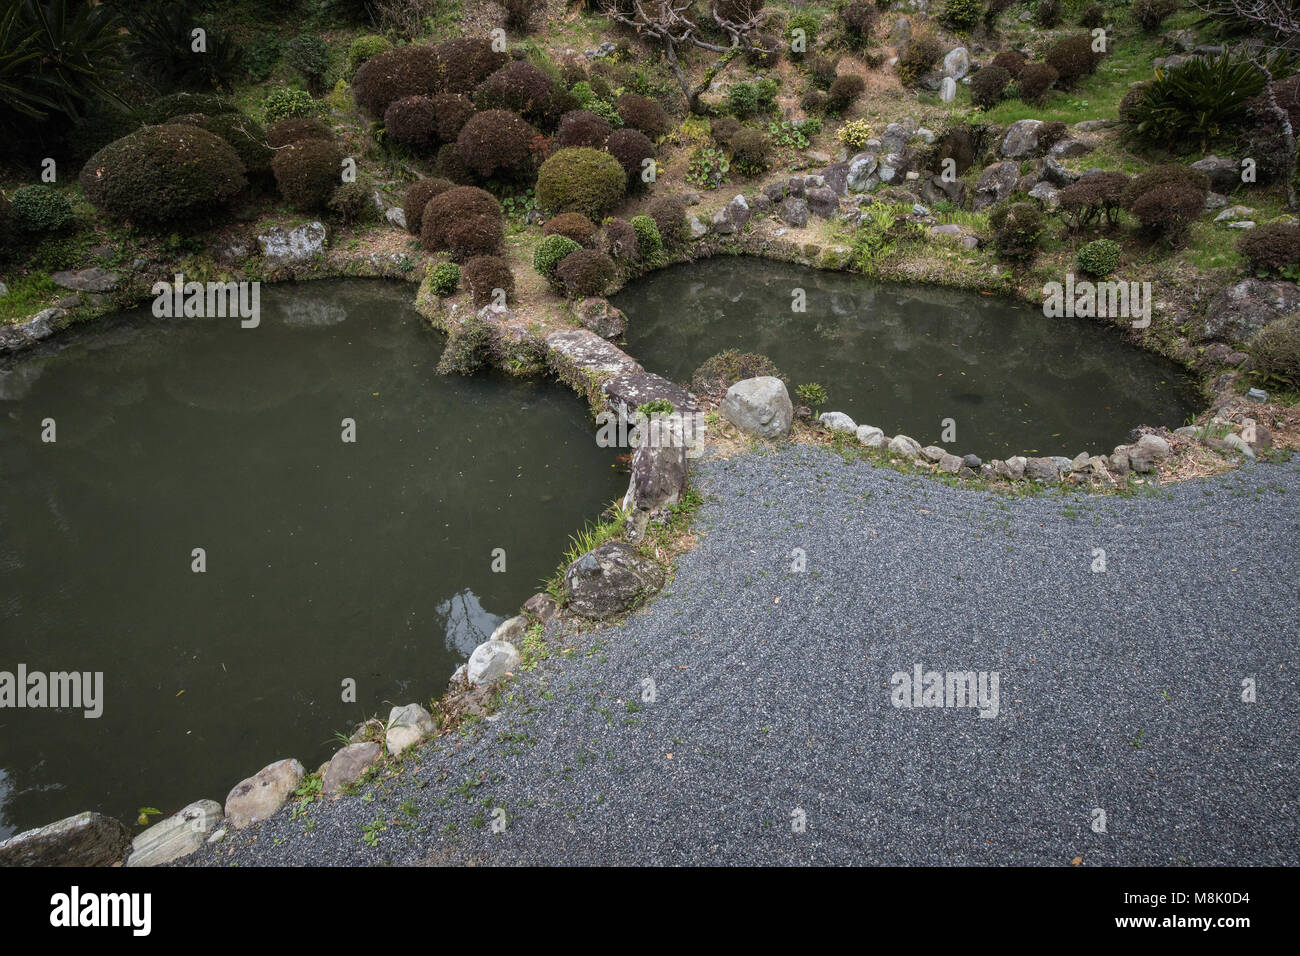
(1120, 691)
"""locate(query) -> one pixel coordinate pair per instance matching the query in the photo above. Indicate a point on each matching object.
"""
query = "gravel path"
(1118, 691)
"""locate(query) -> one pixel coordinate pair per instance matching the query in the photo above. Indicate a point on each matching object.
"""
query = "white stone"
(948, 90)
(406, 726)
(177, 836)
(491, 661)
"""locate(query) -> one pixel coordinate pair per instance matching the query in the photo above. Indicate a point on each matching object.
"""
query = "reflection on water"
(325, 560)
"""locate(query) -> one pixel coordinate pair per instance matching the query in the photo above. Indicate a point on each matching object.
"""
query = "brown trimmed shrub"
(296, 128)
(722, 128)
(582, 180)
(1165, 210)
(465, 62)
(988, 85)
(307, 173)
(1167, 174)
(919, 57)
(643, 114)
(582, 128)
(451, 112)
(1017, 228)
(410, 121)
(1036, 81)
(585, 272)
(447, 164)
(519, 13)
(846, 88)
(484, 275)
(814, 101)
(669, 214)
(1275, 352)
(413, 70)
(466, 221)
(618, 239)
(1271, 249)
(417, 196)
(163, 174)
(751, 151)
(823, 69)
(631, 148)
(1101, 194)
(495, 143)
(1011, 61)
(518, 86)
(574, 225)
(1073, 58)
(859, 22)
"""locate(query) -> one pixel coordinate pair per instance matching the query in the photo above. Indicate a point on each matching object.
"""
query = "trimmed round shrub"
(751, 150)
(581, 180)
(1073, 58)
(448, 165)
(520, 12)
(465, 62)
(643, 114)
(988, 85)
(354, 202)
(245, 135)
(859, 20)
(1047, 13)
(1099, 258)
(1011, 61)
(1272, 249)
(631, 148)
(582, 128)
(451, 112)
(364, 48)
(485, 274)
(1017, 228)
(1149, 14)
(647, 235)
(574, 225)
(444, 278)
(1275, 352)
(307, 173)
(1165, 211)
(410, 121)
(295, 129)
(1036, 81)
(919, 57)
(814, 101)
(719, 372)
(1168, 174)
(585, 272)
(413, 70)
(163, 174)
(550, 252)
(466, 221)
(39, 209)
(518, 86)
(284, 102)
(618, 238)
(669, 214)
(846, 88)
(180, 104)
(495, 143)
(1093, 15)
(961, 14)
(722, 128)
(417, 196)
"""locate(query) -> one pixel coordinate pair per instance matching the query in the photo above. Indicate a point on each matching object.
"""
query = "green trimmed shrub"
(807, 22)
(444, 278)
(284, 103)
(354, 202)
(495, 143)
(1272, 249)
(988, 85)
(1099, 258)
(417, 196)
(1275, 353)
(572, 224)
(307, 173)
(581, 180)
(747, 98)
(181, 104)
(585, 273)
(484, 275)
(39, 209)
(550, 252)
(1017, 228)
(466, 221)
(295, 129)
(961, 14)
(410, 121)
(647, 235)
(310, 56)
(163, 175)
(582, 128)
(643, 114)
(246, 136)
(364, 48)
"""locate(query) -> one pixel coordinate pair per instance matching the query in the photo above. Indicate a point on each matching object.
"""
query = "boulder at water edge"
(609, 579)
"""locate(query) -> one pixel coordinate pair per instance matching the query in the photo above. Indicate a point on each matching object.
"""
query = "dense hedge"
(581, 180)
(751, 150)
(465, 62)
(1272, 249)
(296, 128)
(245, 135)
(486, 274)
(307, 173)
(39, 209)
(988, 85)
(1011, 61)
(643, 114)
(518, 86)
(582, 128)
(496, 143)
(405, 71)
(417, 196)
(466, 221)
(410, 121)
(161, 175)
(845, 88)
(1017, 228)
(451, 112)
(631, 148)
(572, 224)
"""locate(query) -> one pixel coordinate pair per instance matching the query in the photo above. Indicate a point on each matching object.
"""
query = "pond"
(325, 560)
(905, 358)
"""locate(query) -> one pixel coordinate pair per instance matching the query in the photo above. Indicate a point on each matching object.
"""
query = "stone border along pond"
(613, 578)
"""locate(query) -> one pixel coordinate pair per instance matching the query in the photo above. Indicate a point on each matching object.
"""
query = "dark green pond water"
(904, 358)
(325, 560)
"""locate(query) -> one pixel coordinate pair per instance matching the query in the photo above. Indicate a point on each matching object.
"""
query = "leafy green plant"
(159, 45)
(961, 14)
(550, 252)
(444, 278)
(647, 235)
(873, 239)
(309, 55)
(1099, 257)
(853, 135)
(284, 103)
(658, 406)
(39, 209)
(813, 394)
(708, 167)
(1275, 353)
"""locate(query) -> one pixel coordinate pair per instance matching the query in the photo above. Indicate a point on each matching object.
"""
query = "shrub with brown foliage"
(1036, 81)
(307, 173)
(751, 151)
(1271, 249)
(1165, 211)
(988, 85)
(1011, 61)
(643, 114)
(669, 214)
(518, 86)
(410, 121)
(519, 13)
(1101, 194)
(919, 57)
(582, 128)
(846, 88)
(1275, 353)
(823, 69)
(585, 272)
(296, 128)
(1167, 174)
(447, 164)
(417, 196)
(484, 275)
(722, 128)
(466, 221)
(451, 111)
(859, 20)
(572, 224)
(495, 143)
(618, 239)
(631, 148)
(465, 62)
(413, 70)
(1073, 58)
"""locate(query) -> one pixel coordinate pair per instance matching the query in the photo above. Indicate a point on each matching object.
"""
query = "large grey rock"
(1157, 446)
(491, 661)
(609, 579)
(407, 725)
(1224, 174)
(86, 280)
(893, 139)
(870, 436)
(698, 229)
(836, 176)
(1042, 469)
(584, 351)
(1047, 194)
(956, 63)
(1242, 309)
(822, 202)
(838, 422)
(85, 839)
(861, 172)
(996, 183)
(759, 406)
(905, 445)
(1072, 146)
(541, 606)
(177, 836)
(511, 629)
(658, 465)
(947, 90)
(1013, 468)
(628, 391)
(793, 211)
(259, 796)
(281, 246)
(597, 315)
(740, 212)
(348, 764)
(1021, 139)
(1056, 174)
(892, 168)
